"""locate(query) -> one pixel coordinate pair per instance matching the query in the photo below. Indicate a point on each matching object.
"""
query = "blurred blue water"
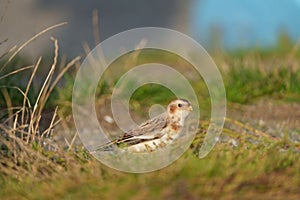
(244, 23)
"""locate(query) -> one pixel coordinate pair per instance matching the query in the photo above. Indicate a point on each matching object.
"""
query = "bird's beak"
(190, 108)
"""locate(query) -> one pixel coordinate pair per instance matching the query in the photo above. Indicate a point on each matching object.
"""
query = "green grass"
(244, 85)
(244, 82)
(250, 76)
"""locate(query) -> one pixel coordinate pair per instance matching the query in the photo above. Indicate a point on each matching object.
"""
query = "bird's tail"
(110, 146)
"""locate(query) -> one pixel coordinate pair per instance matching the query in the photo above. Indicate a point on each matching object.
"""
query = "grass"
(225, 173)
(260, 166)
(244, 85)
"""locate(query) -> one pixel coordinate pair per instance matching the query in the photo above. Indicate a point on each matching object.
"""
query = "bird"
(156, 132)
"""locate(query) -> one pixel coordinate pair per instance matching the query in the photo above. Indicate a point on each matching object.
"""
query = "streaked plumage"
(156, 132)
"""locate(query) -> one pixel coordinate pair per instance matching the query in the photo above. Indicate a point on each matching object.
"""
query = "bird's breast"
(153, 145)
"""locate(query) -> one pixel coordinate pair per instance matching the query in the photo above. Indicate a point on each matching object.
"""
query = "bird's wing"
(148, 130)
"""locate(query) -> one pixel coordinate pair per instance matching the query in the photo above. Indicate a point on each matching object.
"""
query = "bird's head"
(179, 109)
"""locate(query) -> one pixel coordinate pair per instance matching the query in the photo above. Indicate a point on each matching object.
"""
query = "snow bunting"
(155, 133)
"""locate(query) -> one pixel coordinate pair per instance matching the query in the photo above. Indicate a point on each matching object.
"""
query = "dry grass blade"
(96, 27)
(29, 41)
(52, 124)
(63, 61)
(7, 52)
(48, 132)
(27, 89)
(15, 72)
(14, 134)
(293, 52)
(96, 33)
(4, 10)
(10, 118)
(3, 41)
(40, 101)
(132, 58)
(73, 140)
(10, 107)
(13, 87)
(86, 48)
(60, 75)
(8, 104)
(36, 127)
(45, 92)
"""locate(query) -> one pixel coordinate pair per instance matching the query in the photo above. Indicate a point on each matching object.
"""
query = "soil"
(268, 113)
(276, 118)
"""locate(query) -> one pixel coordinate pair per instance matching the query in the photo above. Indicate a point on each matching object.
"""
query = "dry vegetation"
(23, 141)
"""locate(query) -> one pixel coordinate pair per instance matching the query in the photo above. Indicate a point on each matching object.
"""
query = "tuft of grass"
(24, 142)
(244, 85)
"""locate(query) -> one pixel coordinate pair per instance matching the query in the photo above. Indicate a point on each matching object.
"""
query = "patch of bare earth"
(272, 116)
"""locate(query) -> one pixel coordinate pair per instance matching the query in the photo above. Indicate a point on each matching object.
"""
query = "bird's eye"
(179, 105)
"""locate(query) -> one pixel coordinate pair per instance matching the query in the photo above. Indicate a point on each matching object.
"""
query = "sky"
(244, 23)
